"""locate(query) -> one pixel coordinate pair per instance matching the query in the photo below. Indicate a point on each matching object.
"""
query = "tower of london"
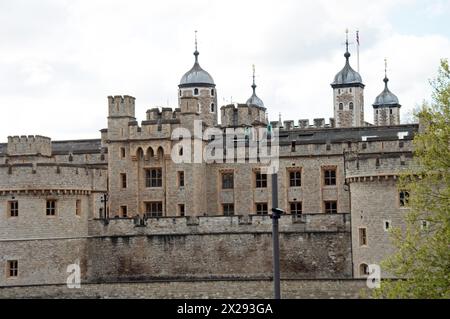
(124, 210)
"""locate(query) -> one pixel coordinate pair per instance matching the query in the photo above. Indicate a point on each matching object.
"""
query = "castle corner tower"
(348, 95)
(198, 86)
(386, 108)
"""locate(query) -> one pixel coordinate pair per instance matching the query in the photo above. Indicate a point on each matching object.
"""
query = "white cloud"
(59, 60)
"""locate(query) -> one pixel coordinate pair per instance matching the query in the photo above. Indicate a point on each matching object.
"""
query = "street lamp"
(276, 213)
(104, 199)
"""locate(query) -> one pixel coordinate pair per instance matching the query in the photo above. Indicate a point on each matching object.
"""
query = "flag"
(357, 37)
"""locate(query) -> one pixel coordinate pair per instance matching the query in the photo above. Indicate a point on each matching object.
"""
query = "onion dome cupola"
(254, 99)
(386, 106)
(348, 95)
(386, 98)
(196, 76)
(347, 77)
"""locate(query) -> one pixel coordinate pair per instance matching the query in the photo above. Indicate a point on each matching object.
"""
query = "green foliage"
(422, 257)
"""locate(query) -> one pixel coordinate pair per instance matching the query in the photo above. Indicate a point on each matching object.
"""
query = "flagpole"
(357, 47)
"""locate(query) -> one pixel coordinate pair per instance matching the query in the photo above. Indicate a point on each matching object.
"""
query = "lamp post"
(276, 213)
(104, 199)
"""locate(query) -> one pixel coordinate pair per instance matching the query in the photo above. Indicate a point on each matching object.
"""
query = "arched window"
(195, 91)
(181, 93)
(180, 151)
(339, 91)
(363, 270)
(140, 154)
(350, 90)
(213, 108)
(341, 106)
(212, 92)
(350, 106)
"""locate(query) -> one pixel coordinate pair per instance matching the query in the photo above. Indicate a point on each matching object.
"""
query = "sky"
(60, 59)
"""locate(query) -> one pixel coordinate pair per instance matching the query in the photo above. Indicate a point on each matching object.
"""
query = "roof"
(386, 98)
(347, 76)
(196, 76)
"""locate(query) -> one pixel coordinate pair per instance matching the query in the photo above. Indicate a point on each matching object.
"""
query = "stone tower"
(348, 95)
(199, 85)
(386, 108)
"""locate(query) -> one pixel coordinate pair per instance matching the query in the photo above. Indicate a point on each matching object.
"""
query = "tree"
(422, 258)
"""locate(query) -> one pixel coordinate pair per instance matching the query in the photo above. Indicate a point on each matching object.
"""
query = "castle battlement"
(52, 176)
(121, 106)
(221, 224)
(243, 115)
(165, 114)
(304, 124)
(29, 145)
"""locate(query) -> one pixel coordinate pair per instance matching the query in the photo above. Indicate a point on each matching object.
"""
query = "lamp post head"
(276, 213)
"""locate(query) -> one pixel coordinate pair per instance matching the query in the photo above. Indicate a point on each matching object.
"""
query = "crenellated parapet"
(233, 115)
(121, 106)
(29, 145)
(32, 177)
(166, 114)
(304, 124)
(307, 223)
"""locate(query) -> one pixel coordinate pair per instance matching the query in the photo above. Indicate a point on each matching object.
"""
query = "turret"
(386, 108)
(121, 113)
(348, 95)
(199, 84)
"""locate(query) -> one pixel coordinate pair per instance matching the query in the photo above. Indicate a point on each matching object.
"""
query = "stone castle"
(124, 210)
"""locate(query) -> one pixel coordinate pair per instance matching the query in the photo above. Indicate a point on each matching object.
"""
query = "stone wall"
(236, 289)
(41, 261)
(312, 246)
(325, 254)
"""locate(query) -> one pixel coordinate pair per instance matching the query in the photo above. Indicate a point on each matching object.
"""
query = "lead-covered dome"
(196, 76)
(386, 98)
(347, 75)
(254, 99)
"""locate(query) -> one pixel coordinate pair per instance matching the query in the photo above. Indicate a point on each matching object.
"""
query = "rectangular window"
(124, 211)
(330, 177)
(122, 152)
(295, 178)
(296, 208)
(261, 209)
(261, 180)
(153, 177)
(153, 209)
(12, 268)
(331, 207)
(228, 209)
(78, 207)
(363, 237)
(227, 181)
(123, 180)
(404, 198)
(51, 207)
(181, 209)
(13, 207)
(180, 179)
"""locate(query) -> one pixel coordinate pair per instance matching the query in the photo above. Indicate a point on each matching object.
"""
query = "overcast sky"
(60, 59)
